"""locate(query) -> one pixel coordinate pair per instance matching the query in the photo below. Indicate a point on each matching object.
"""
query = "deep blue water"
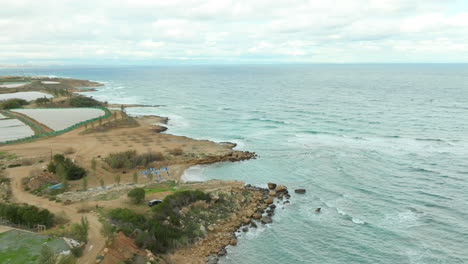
(382, 149)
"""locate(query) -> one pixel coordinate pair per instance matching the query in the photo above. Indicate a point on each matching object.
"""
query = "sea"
(382, 149)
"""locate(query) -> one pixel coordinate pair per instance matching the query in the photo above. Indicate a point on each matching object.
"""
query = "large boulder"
(233, 242)
(272, 193)
(257, 216)
(301, 191)
(269, 200)
(271, 186)
(281, 189)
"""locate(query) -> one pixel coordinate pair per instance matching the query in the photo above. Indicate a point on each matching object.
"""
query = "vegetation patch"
(13, 103)
(28, 215)
(65, 168)
(7, 156)
(81, 101)
(137, 195)
(130, 159)
(25, 247)
(163, 187)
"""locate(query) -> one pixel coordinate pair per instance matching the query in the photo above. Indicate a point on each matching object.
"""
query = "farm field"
(28, 96)
(21, 247)
(11, 129)
(61, 118)
(12, 85)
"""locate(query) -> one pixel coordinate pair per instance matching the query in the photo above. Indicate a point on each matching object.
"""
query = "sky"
(225, 31)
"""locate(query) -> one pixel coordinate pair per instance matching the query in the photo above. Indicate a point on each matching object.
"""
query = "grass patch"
(7, 156)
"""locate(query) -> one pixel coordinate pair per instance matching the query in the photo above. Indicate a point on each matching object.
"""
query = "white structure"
(61, 118)
(11, 129)
(28, 96)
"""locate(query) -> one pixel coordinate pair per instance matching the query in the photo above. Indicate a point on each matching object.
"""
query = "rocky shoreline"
(258, 209)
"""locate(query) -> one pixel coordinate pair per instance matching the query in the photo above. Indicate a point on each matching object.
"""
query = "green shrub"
(79, 231)
(130, 159)
(165, 230)
(137, 195)
(128, 217)
(65, 168)
(12, 103)
(42, 101)
(81, 101)
(26, 215)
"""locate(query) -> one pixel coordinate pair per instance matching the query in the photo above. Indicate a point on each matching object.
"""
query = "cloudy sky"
(224, 31)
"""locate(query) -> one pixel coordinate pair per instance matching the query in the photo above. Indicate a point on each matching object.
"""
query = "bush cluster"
(65, 168)
(130, 159)
(13, 103)
(165, 230)
(81, 101)
(26, 215)
(43, 100)
(137, 195)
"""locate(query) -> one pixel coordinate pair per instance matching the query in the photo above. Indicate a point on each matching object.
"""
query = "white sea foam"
(194, 173)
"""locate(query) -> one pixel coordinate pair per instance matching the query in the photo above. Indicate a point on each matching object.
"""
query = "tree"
(150, 176)
(137, 195)
(47, 255)
(101, 182)
(108, 231)
(79, 231)
(85, 183)
(94, 165)
(135, 177)
(117, 179)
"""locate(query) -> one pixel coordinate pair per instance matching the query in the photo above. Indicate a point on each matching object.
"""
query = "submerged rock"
(266, 220)
(301, 191)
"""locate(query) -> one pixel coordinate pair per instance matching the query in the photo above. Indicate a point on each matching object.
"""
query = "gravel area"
(61, 118)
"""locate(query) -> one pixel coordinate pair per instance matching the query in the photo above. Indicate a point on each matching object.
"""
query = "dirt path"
(96, 241)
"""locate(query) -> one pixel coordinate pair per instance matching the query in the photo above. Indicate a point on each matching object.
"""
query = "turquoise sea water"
(382, 149)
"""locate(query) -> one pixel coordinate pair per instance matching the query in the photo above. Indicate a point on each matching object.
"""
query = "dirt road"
(96, 241)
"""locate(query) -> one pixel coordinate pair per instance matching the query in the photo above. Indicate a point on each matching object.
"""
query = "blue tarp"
(56, 186)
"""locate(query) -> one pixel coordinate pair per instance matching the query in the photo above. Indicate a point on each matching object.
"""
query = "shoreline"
(151, 127)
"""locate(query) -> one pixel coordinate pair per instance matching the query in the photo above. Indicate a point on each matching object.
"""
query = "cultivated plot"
(11, 129)
(61, 118)
(28, 96)
(25, 247)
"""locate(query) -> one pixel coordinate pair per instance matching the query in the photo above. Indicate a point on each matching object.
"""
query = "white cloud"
(228, 30)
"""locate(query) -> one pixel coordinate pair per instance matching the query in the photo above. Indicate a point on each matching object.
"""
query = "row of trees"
(28, 215)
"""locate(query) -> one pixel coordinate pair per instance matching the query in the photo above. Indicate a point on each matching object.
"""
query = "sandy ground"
(85, 147)
(100, 144)
(4, 228)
